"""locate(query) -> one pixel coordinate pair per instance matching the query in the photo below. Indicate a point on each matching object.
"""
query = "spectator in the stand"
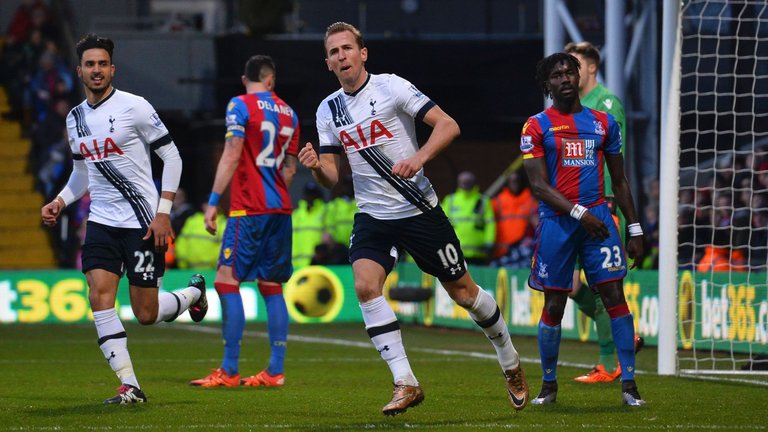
(182, 209)
(195, 247)
(78, 225)
(723, 210)
(512, 208)
(53, 174)
(702, 222)
(21, 23)
(46, 135)
(685, 229)
(308, 223)
(471, 215)
(52, 80)
(720, 257)
(651, 260)
(330, 252)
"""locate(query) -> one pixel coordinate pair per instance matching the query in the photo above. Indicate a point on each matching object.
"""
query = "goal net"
(723, 189)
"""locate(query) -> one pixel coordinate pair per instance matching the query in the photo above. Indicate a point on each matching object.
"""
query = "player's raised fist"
(308, 156)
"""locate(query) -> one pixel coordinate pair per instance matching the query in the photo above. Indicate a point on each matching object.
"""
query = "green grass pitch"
(54, 378)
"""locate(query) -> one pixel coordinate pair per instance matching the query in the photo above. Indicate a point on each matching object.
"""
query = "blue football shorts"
(258, 247)
(561, 239)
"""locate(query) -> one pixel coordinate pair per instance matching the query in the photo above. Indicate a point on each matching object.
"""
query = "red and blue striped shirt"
(270, 129)
(573, 146)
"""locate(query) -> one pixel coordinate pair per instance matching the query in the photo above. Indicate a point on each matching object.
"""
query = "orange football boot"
(218, 378)
(264, 379)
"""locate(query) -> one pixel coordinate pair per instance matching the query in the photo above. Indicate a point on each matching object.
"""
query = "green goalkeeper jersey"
(600, 98)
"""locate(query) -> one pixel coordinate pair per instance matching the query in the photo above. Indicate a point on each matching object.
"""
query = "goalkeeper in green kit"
(596, 96)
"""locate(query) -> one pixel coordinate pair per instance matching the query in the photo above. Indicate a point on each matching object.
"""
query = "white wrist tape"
(577, 212)
(165, 206)
(635, 230)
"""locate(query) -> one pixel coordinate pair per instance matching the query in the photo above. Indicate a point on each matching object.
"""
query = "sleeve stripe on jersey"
(77, 156)
(330, 149)
(128, 191)
(163, 140)
(80, 125)
(339, 112)
(383, 167)
(423, 111)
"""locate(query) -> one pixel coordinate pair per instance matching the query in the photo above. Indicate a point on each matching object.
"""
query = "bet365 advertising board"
(725, 308)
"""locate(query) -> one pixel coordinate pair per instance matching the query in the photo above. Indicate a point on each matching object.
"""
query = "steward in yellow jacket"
(195, 247)
(472, 217)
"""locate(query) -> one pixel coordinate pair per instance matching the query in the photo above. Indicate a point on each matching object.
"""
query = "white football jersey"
(375, 127)
(115, 138)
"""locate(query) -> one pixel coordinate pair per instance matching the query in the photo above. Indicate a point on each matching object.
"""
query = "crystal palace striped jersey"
(115, 138)
(375, 127)
(270, 129)
(573, 146)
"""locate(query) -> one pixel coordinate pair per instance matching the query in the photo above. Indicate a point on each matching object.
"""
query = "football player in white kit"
(111, 135)
(371, 119)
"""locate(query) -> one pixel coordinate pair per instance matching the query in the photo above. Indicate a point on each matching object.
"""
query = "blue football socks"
(232, 326)
(277, 327)
(549, 346)
(623, 329)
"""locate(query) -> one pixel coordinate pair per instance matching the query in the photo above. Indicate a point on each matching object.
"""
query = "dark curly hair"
(544, 68)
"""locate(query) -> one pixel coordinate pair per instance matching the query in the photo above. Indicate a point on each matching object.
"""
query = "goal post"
(713, 273)
(668, 172)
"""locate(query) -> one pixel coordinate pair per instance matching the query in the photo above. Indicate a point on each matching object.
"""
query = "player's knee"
(146, 317)
(554, 308)
(612, 294)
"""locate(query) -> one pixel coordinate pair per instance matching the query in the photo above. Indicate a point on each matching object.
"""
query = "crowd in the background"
(721, 226)
(40, 88)
(724, 226)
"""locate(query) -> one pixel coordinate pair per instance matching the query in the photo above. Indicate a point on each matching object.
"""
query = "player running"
(111, 135)
(371, 119)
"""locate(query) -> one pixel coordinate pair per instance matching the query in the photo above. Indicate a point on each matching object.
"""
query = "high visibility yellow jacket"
(472, 217)
(308, 225)
(339, 218)
(195, 247)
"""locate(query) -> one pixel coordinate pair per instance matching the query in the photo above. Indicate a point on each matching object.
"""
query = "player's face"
(96, 70)
(346, 59)
(564, 82)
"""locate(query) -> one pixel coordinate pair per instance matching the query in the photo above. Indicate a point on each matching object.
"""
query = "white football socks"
(485, 311)
(114, 344)
(173, 304)
(384, 330)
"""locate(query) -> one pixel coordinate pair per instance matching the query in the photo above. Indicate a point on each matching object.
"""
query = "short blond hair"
(584, 49)
(341, 26)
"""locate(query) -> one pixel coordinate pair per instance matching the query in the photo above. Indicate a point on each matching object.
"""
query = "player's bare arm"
(289, 169)
(536, 169)
(623, 197)
(444, 131)
(325, 169)
(230, 157)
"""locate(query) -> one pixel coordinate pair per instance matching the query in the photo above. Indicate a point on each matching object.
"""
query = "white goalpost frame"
(668, 176)
(704, 361)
